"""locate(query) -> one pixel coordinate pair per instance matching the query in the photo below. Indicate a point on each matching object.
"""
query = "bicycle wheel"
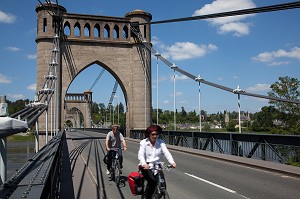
(155, 195)
(117, 172)
(163, 194)
(112, 170)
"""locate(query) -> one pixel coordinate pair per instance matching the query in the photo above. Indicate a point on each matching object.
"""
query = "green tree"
(16, 106)
(231, 126)
(264, 119)
(287, 88)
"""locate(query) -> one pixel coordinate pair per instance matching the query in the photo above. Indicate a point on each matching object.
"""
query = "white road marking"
(211, 183)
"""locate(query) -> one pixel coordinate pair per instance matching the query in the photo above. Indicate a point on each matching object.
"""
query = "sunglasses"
(154, 134)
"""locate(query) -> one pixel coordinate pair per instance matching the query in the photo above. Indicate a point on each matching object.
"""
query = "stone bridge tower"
(103, 40)
(83, 104)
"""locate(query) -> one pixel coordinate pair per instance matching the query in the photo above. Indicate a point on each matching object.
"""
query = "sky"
(249, 51)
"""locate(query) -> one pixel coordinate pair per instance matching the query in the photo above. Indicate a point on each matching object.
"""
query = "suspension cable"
(45, 8)
(271, 8)
(168, 63)
(95, 82)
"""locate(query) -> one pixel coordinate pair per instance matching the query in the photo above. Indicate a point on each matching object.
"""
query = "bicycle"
(161, 186)
(115, 169)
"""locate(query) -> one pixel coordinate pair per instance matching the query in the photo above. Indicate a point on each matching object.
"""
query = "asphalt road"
(195, 177)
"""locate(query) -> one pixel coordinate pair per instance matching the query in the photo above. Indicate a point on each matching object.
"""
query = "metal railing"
(276, 148)
(39, 176)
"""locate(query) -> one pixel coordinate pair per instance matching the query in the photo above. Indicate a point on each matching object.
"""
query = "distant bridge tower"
(103, 40)
(83, 104)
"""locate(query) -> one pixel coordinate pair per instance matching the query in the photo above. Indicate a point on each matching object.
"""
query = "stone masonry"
(103, 40)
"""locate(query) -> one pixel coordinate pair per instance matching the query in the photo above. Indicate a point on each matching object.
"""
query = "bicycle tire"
(112, 171)
(163, 194)
(117, 172)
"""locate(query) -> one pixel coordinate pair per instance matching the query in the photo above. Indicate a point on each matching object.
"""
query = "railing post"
(37, 137)
(46, 126)
(3, 142)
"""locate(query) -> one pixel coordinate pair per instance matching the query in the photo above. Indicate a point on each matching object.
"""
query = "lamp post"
(198, 79)
(157, 55)
(238, 91)
(174, 67)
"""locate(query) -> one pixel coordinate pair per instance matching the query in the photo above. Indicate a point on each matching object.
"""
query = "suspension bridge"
(69, 164)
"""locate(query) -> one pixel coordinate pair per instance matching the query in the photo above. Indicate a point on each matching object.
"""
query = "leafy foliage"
(16, 106)
(288, 113)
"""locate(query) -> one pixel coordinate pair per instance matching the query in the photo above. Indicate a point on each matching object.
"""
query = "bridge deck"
(84, 172)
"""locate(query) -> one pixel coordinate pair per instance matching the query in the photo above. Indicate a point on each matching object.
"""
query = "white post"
(46, 126)
(3, 143)
(3, 160)
(157, 55)
(200, 126)
(51, 117)
(174, 77)
(145, 82)
(36, 136)
(239, 104)
(118, 106)
(238, 91)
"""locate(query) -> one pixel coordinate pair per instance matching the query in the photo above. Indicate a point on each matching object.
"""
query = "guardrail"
(39, 176)
(276, 148)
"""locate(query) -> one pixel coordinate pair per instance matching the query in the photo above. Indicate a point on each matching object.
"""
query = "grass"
(21, 137)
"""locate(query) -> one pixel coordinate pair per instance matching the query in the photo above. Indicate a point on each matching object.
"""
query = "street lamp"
(239, 91)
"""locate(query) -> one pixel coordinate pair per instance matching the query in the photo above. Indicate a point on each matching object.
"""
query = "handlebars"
(116, 149)
(158, 166)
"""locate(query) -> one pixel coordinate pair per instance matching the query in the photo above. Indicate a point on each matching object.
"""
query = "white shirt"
(153, 154)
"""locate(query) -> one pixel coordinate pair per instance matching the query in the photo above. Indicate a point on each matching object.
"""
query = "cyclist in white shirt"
(150, 152)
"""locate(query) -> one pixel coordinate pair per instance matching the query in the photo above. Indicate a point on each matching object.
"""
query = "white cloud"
(178, 77)
(4, 79)
(7, 17)
(279, 63)
(16, 96)
(11, 48)
(187, 50)
(178, 93)
(270, 57)
(181, 77)
(258, 87)
(166, 102)
(228, 24)
(32, 87)
(31, 56)
(238, 29)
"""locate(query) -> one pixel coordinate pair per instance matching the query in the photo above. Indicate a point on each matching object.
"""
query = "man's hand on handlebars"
(146, 166)
(174, 165)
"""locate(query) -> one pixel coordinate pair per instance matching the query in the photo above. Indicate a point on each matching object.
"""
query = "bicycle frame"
(161, 185)
(115, 166)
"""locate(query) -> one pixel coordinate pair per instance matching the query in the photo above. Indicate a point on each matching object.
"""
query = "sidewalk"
(75, 179)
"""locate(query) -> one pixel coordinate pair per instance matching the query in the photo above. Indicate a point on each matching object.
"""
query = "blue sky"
(251, 51)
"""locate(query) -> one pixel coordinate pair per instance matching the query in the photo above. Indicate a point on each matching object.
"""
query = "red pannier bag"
(136, 183)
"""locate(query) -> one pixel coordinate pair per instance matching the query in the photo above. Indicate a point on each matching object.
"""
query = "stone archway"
(102, 40)
(82, 103)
